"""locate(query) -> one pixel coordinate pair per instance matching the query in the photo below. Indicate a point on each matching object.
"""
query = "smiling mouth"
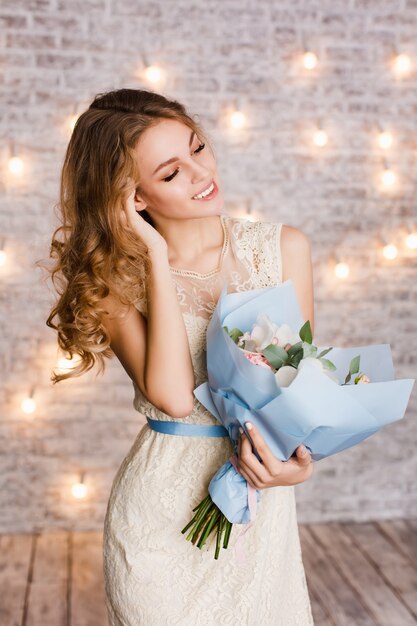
(209, 192)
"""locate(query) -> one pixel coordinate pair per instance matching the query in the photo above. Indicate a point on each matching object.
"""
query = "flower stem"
(208, 528)
(227, 533)
(198, 508)
(201, 516)
(219, 535)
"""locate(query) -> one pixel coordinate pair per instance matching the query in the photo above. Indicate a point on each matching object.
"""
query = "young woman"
(144, 253)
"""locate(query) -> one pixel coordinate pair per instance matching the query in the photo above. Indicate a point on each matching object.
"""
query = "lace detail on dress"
(250, 259)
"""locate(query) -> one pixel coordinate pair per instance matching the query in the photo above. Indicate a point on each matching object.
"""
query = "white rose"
(310, 359)
(285, 375)
(263, 331)
(285, 335)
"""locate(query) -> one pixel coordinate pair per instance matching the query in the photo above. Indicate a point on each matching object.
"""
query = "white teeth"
(204, 193)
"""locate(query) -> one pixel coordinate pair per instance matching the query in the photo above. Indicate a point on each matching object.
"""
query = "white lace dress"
(153, 575)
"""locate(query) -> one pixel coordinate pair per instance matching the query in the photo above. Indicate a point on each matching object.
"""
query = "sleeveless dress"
(155, 577)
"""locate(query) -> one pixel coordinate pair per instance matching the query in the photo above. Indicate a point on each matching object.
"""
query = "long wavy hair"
(95, 253)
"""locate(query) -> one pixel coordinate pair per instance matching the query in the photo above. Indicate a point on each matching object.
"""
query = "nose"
(200, 172)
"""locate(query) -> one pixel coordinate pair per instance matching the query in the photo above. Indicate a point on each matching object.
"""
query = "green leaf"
(305, 332)
(275, 355)
(297, 347)
(324, 352)
(328, 364)
(354, 364)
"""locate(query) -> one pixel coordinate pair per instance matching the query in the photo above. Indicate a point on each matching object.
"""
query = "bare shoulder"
(297, 266)
(294, 240)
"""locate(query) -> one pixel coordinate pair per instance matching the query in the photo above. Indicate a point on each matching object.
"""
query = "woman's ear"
(140, 204)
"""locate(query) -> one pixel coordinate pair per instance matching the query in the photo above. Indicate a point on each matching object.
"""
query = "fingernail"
(248, 425)
(303, 449)
(241, 430)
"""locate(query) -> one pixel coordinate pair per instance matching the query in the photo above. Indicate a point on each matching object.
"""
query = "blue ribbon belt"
(187, 430)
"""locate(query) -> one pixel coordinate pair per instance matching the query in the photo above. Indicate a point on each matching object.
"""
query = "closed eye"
(171, 176)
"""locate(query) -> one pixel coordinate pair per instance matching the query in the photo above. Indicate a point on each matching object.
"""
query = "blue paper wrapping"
(327, 417)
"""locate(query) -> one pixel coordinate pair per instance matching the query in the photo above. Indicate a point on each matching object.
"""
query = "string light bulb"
(309, 60)
(320, 137)
(72, 121)
(153, 74)
(411, 241)
(29, 404)
(237, 119)
(3, 255)
(66, 363)
(385, 140)
(16, 164)
(341, 270)
(388, 176)
(79, 490)
(390, 251)
(402, 64)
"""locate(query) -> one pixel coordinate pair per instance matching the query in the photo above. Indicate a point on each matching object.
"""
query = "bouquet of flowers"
(289, 391)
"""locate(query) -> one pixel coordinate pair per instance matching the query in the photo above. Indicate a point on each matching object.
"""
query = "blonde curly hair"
(95, 253)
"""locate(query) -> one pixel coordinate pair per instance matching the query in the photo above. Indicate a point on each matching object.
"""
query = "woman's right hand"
(145, 231)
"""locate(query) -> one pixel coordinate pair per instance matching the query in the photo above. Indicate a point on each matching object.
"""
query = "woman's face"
(167, 191)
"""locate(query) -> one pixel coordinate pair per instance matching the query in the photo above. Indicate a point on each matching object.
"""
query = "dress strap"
(187, 430)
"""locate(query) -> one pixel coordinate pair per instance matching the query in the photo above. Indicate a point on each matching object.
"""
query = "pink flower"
(257, 359)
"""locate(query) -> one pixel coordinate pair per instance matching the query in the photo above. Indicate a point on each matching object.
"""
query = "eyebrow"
(173, 158)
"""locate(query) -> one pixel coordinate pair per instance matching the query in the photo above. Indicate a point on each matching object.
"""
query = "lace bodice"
(250, 259)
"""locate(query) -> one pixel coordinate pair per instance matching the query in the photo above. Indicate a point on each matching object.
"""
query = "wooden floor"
(358, 574)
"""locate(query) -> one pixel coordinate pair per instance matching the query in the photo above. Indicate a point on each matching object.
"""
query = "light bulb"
(16, 166)
(411, 241)
(73, 120)
(385, 140)
(153, 73)
(309, 60)
(66, 363)
(3, 257)
(79, 490)
(237, 119)
(320, 138)
(390, 251)
(342, 270)
(28, 405)
(388, 177)
(402, 63)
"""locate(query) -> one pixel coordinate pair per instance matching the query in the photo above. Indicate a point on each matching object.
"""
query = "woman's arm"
(297, 266)
(169, 374)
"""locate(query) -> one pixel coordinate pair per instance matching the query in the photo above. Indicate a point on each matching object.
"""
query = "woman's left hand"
(272, 472)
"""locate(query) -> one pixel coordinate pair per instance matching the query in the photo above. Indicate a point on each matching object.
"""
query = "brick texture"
(55, 55)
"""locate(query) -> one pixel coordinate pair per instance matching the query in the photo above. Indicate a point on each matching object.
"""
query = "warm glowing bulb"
(153, 73)
(28, 405)
(67, 364)
(79, 490)
(341, 270)
(237, 119)
(388, 177)
(310, 60)
(320, 138)
(411, 241)
(3, 257)
(390, 251)
(16, 166)
(73, 121)
(385, 140)
(402, 63)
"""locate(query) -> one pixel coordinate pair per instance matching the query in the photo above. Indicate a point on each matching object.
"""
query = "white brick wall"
(56, 54)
